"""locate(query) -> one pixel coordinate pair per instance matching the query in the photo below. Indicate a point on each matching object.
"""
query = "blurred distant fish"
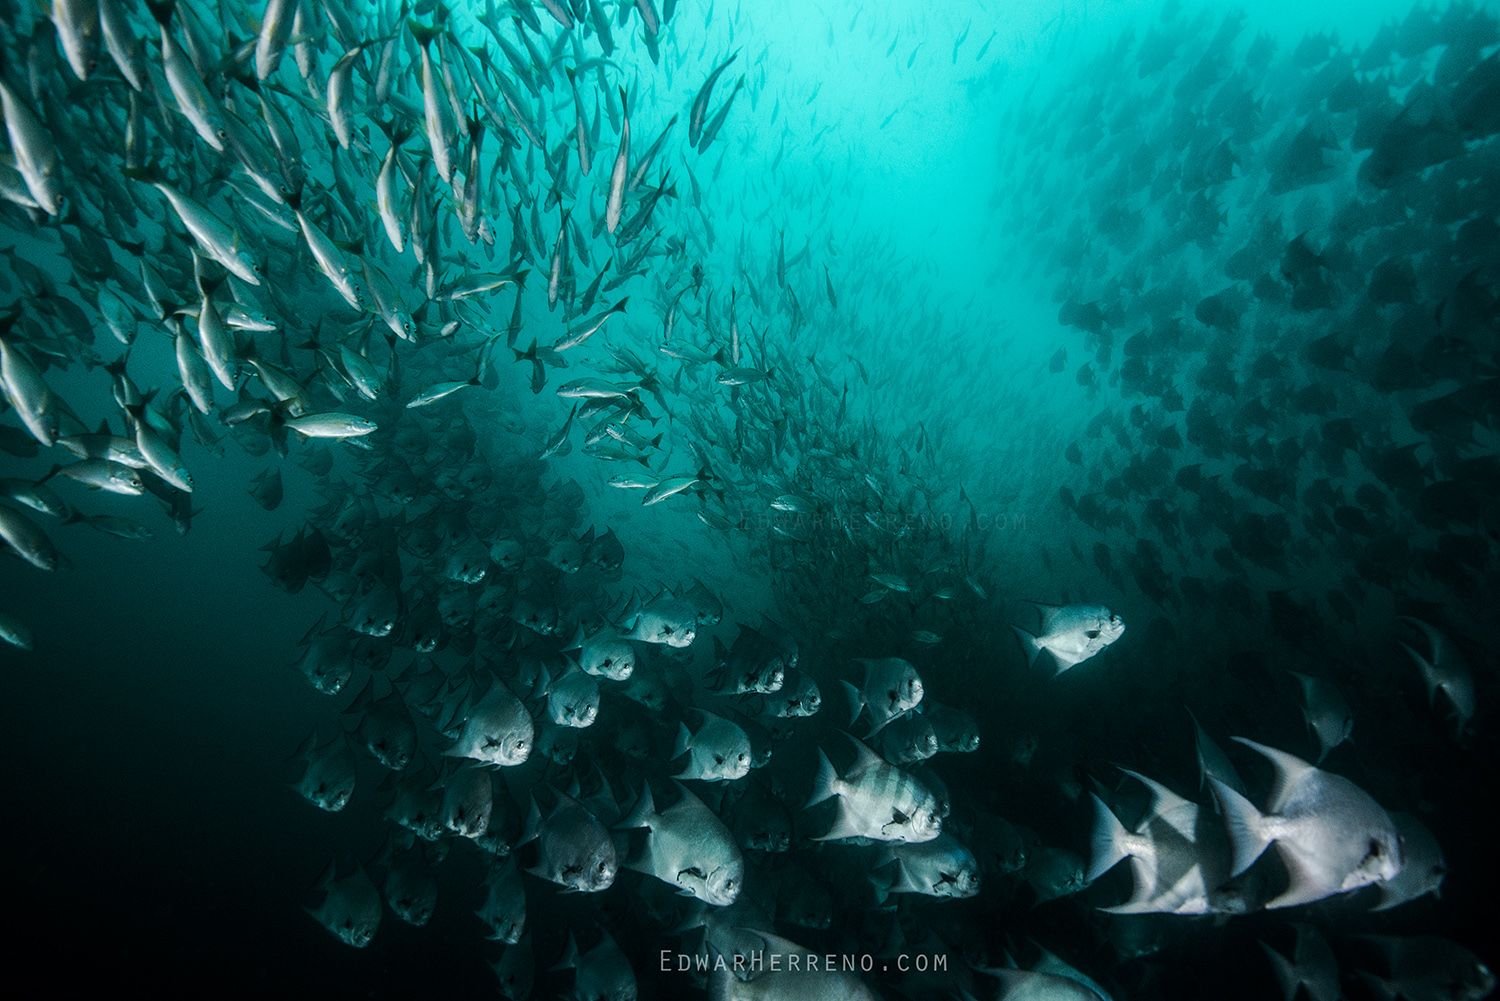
(1328, 716)
(1444, 669)
(351, 906)
(267, 490)
(328, 774)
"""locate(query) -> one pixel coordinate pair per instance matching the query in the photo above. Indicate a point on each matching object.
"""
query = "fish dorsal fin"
(365, 699)
(313, 632)
(1181, 814)
(1212, 761)
(865, 759)
(1309, 686)
(533, 826)
(643, 813)
(1048, 614)
(1434, 637)
(1291, 771)
(1052, 965)
(687, 805)
(774, 943)
(1285, 970)
(1429, 672)
(900, 878)
(305, 749)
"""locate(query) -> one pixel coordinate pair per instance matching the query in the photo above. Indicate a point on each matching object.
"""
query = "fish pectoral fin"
(898, 819)
(687, 878)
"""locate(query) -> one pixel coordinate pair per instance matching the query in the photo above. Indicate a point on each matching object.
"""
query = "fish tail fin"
(1029, 645)
(824, 784)
(1109, 842)
(424, 34)
(162, 10)
(150, 173)
(208, 286)
(1242, 820)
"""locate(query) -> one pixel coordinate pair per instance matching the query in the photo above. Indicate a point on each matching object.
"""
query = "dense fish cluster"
(1281, 267)
(458, 271)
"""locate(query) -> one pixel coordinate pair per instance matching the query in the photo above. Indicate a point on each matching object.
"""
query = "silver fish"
(351, 907)
(1072, 634)
(1330, 834)
(876, 800)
